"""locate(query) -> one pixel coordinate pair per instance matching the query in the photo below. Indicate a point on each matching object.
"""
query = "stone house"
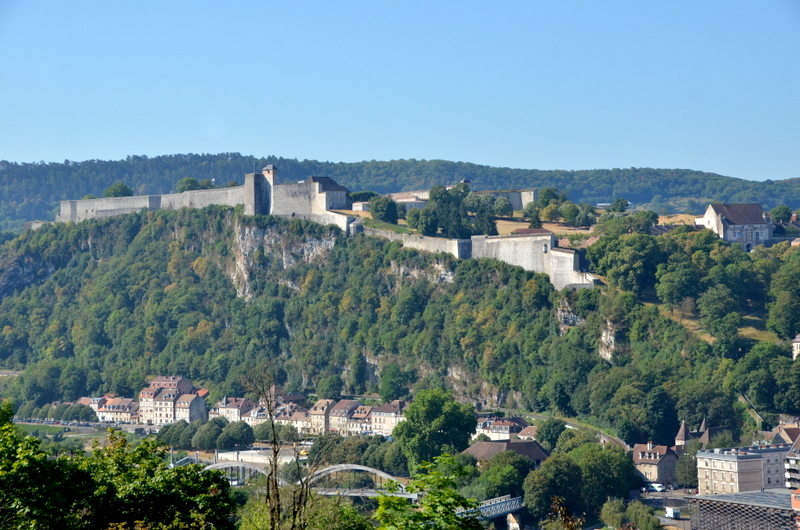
(501, 428)
(118, 410)
(655, 463)
(164, 406)
(747, 224)
(320, 416)
(386, 417)
(340, 416)
(190, 407)
(231, 408)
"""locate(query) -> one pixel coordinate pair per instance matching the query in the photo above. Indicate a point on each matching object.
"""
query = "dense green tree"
(383, 209)
(235, 434)
(206, 436)
(434, 423)
(781, 214)
(613, 512)
(393, 382)
(605, 471)
(503, 208)
(362, 196)
(118, 190)
(619, 205)
(558, 476)
(548, 432)
(187, 184)
(330, 387)
(428, 221)
(412, 218)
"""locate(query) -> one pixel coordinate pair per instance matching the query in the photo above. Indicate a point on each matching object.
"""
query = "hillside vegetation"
(100, 305)
(31, 191)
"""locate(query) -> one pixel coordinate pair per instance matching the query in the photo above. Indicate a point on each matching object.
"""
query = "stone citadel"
(317, 198)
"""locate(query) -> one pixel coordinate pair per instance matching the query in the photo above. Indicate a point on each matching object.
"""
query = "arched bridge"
(239, 472)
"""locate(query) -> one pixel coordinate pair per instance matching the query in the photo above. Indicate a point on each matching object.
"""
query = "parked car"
(655, 486)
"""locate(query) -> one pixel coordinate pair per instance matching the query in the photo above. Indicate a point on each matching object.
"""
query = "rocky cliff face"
(254, 244)
(19, 272)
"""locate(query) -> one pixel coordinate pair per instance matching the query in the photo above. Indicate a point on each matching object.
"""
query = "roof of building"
(794, 450)
(345, 407)
(321, 406)
(394, 407)
(186, 399)
(740, 214)
(327, 184)
(683, 433)
(780, 499)
(740, 453)
(486, 450)
(651, 454)
(166, 394)
(234, 403)
(529, 431)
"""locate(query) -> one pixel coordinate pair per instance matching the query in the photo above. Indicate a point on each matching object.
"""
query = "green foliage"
(362, 196)
(438, 505)
(383, 209)
(503, 208)
(559, 476)
(428, 221)
(781, 214)
(686, 471)
(191, 183)
(613, 513)
(619, 205)
(393, 382)
(118, 190)
(330, 387)
(548, 432)
(434, 423)
(641, 516)
(606, 472)
(235, 434)
(117, 485)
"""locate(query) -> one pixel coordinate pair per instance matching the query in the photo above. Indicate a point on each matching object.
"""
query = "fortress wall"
(526, 251)
(518, 199)
(460, 248)
(534, 253)
(288, 199)
(99, 208)
(203, 198)
(330, 218)
(111, 206)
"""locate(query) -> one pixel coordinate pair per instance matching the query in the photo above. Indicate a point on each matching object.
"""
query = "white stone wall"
(459, 248)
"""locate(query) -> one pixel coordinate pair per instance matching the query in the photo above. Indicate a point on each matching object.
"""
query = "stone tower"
(258, 190)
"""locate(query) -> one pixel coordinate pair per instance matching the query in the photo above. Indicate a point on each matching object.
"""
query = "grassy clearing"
(397, 229)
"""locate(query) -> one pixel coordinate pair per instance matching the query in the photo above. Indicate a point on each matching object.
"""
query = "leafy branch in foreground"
(440, 506)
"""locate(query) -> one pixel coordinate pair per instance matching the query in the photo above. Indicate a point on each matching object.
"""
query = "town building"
(655, 463)
(232, 409)
(118, 410)
(501, 428)
(741, 469)
(386, 417)
(320, 414)
(792, 466)
(340, 416)
(190, 407)
(160, 403)
(164, 406)
(747, 224)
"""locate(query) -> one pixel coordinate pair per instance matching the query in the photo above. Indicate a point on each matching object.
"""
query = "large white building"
(747, 224)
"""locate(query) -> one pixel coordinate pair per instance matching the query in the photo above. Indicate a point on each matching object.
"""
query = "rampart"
(460, 248)
(535, 253)
(108, 207)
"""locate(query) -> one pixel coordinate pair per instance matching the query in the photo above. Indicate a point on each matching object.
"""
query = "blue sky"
(712, 86)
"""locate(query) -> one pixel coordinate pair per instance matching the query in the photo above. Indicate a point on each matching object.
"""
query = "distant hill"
(31, 191)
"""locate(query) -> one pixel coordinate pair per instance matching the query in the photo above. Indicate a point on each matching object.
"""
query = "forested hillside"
(98, 306)
(31, 191)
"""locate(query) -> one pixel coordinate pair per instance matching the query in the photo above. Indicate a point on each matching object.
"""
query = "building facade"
(747, 224)
(655, 463)
(741, 469)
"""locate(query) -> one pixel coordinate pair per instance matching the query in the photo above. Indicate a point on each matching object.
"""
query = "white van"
(655, 486)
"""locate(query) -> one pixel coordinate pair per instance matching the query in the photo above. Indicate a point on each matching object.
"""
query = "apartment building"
(741, 469)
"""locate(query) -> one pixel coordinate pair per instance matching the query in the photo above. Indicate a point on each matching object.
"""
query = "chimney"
(650, 446)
